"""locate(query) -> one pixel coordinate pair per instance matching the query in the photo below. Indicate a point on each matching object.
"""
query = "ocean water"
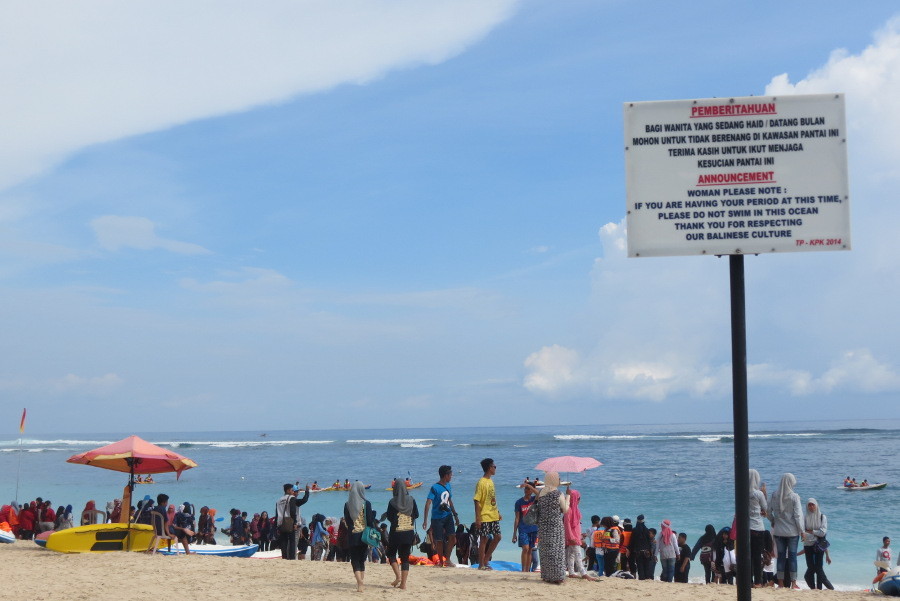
(681, 472)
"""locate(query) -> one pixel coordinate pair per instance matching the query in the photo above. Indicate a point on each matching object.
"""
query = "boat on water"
(335, 489)
(540, 486)
(214, 550)
(409, 486)
(866, 487)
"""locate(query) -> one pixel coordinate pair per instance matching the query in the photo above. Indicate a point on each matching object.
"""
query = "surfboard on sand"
(101, 538)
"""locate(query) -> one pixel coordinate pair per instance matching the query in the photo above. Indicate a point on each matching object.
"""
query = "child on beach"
(594, 542)
(683, 564)
(768, 558)
(883, 555)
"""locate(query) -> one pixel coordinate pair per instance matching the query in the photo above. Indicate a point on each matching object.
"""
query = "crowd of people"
(548, 526)
(31, 518)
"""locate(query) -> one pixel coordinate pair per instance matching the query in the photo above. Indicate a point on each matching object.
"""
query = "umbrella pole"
(130, 495)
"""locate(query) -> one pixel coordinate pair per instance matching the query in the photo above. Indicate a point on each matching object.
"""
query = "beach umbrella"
(567, 463)
(134, 455)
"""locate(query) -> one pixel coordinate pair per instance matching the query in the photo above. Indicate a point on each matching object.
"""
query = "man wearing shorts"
(526, 534)
(487, 516)
(443, 517)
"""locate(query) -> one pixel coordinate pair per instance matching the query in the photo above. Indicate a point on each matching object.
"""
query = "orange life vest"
(626, 539)
(597, 538)
(608, 542)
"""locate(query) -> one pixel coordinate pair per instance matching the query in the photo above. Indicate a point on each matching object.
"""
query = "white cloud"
(558, 372)
(80, 73)
(115, 232)
(553, 370)
(854, 371)
(871, 82)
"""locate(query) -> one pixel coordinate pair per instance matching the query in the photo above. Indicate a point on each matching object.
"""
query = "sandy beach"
(35, 574)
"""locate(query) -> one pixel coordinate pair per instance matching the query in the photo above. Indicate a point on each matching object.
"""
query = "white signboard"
(722, 176)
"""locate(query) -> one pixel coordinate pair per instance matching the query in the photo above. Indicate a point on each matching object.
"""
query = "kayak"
(335, 489)
(540, 486)
(215, 550)
(869, 487)
(410, 487)
(7, 537)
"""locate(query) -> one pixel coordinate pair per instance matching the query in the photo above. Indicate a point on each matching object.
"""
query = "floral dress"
(551, 538)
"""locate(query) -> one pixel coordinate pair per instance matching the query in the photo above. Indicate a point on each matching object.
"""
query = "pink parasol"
(568, 463)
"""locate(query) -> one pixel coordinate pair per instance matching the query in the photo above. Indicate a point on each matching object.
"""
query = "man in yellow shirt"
(487, 516)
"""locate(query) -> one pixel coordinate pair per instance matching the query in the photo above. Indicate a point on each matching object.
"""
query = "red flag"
(22, 423)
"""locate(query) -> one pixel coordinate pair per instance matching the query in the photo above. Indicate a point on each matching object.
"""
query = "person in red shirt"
(26, 523)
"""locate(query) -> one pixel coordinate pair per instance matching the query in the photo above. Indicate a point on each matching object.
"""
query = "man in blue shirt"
(443, 516)
(525, 533)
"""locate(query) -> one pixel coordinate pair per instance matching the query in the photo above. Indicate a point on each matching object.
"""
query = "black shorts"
(442, 529)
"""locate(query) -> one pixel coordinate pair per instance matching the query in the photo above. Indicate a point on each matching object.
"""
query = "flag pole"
(19, 463)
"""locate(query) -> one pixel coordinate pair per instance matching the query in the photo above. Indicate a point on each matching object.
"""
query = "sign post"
(737, 176)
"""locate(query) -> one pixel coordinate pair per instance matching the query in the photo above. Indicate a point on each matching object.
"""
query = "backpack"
(705, 554)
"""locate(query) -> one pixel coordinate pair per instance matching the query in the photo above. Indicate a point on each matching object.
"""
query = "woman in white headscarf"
(359, 515)
(786, 516)
(551, 505)
(668, 551)
(758, 509)
(402, 513)
(815, 528)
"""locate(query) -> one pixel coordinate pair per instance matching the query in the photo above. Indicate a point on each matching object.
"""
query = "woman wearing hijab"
(786, 516)
(572, 527)
(318, 537)
(206, 528)
(47, 517)
(89, 514)
(402, 513)
(704, 546)
(254, 529)
(116, 513)
(358, 512)
(668, 550)
(722, 550)
(758, 509)
(815, 527)
(551, 505)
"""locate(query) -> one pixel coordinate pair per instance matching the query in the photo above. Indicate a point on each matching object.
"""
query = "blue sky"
(407, 213)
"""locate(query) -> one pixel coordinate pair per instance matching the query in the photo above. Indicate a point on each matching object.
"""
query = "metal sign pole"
(741, 430)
